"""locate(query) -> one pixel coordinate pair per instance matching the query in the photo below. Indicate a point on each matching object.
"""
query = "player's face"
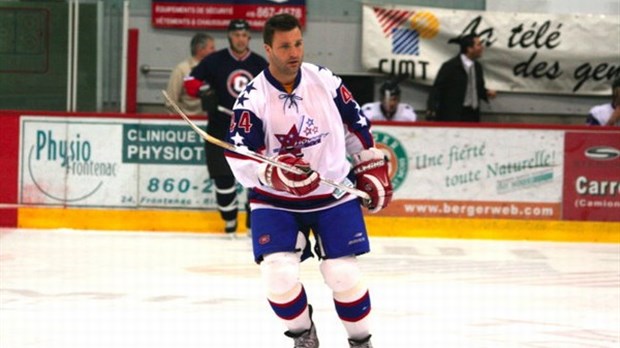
(390, 104)
(239, 41)
(285, 54)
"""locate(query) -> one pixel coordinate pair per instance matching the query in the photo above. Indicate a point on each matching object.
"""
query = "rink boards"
(209, 221)
(483, 181)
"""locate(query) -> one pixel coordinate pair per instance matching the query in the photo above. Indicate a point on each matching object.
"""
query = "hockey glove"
(208, 99)
(371, 171)
(192, 86)
(282, 180)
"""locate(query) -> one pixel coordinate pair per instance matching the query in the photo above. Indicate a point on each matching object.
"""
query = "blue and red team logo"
(406, 28)
(237, 80)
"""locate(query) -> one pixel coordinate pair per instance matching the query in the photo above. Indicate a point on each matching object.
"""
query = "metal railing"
(147, 69)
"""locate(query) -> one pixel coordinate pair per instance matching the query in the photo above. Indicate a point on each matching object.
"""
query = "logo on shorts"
(398, 161)
(264, 239)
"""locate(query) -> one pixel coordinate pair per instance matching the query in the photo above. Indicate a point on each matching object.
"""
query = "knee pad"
(341, 274)
(280, 272)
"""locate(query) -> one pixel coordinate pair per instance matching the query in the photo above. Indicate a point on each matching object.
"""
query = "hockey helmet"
(238, 24)
(389, 89)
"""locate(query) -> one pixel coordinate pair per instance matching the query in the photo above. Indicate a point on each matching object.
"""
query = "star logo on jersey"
(250, 87)
(237, 139)
(310, 128)
(362, 120)
(291, 142)
(241, 100)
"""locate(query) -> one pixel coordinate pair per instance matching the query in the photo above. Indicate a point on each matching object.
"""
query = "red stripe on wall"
(132, 70)
(9, 146)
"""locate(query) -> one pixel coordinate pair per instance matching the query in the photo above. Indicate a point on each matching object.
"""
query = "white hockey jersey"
(600, 114)
(319, 119)
(404, 112)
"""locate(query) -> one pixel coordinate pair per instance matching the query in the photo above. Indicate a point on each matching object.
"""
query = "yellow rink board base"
(210, 222)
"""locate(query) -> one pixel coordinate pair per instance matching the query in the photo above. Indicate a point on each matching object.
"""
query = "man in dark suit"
(459, 85)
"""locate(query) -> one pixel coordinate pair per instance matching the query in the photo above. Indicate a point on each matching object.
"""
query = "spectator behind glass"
(201, 46)
(389, 108)
(607, 114)
(459, 85)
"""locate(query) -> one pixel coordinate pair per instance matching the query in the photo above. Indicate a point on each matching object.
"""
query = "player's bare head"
(279, 22)
(284, 47)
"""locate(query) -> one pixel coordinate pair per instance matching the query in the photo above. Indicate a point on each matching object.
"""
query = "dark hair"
(464, 42)
(390, 87)
(199, 41)
(279, 22)
(616, 83)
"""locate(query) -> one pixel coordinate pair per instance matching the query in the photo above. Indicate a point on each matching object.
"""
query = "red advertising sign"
(592, 176)
(216, 14)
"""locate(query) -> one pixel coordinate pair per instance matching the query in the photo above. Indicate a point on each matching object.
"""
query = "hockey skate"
(231, 228)
(307, 338)
(363, 343)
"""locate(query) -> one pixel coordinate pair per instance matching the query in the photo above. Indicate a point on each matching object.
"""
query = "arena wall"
(145, 172)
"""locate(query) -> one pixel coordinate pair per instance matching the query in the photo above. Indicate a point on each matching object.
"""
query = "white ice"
(86, 289)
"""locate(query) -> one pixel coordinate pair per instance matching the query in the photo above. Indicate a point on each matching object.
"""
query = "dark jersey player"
(218, 80)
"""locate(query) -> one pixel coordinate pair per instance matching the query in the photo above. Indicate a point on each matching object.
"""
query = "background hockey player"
(218, 80)
(302, 114)
(389, 107)
(607, 114)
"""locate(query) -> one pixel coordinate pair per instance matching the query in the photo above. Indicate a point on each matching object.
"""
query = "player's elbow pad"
(192, 86)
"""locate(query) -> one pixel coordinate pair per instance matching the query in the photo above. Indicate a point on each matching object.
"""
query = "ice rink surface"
(85, 289)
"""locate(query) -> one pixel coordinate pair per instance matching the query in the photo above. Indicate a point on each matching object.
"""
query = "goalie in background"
(607, 114)
(302, 114)
(389, 108)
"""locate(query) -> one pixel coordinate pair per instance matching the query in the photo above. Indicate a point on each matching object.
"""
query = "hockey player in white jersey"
(302, 114)
(389, 108)
(607, 114)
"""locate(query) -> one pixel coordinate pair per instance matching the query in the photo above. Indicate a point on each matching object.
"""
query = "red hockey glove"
(371, 171)
(282, 180)
(192, 86)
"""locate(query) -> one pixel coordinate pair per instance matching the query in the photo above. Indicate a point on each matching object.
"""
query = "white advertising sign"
(524, 52)
(113, 162)
(473, 167)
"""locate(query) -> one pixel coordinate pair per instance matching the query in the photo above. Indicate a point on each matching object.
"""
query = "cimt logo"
(405, 28)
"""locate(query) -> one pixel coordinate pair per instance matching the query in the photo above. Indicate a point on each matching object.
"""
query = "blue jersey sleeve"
(359, 136)
(246, 130)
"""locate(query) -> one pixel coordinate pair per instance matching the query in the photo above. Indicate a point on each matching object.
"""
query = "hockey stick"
(340, 188)
(225, 110)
